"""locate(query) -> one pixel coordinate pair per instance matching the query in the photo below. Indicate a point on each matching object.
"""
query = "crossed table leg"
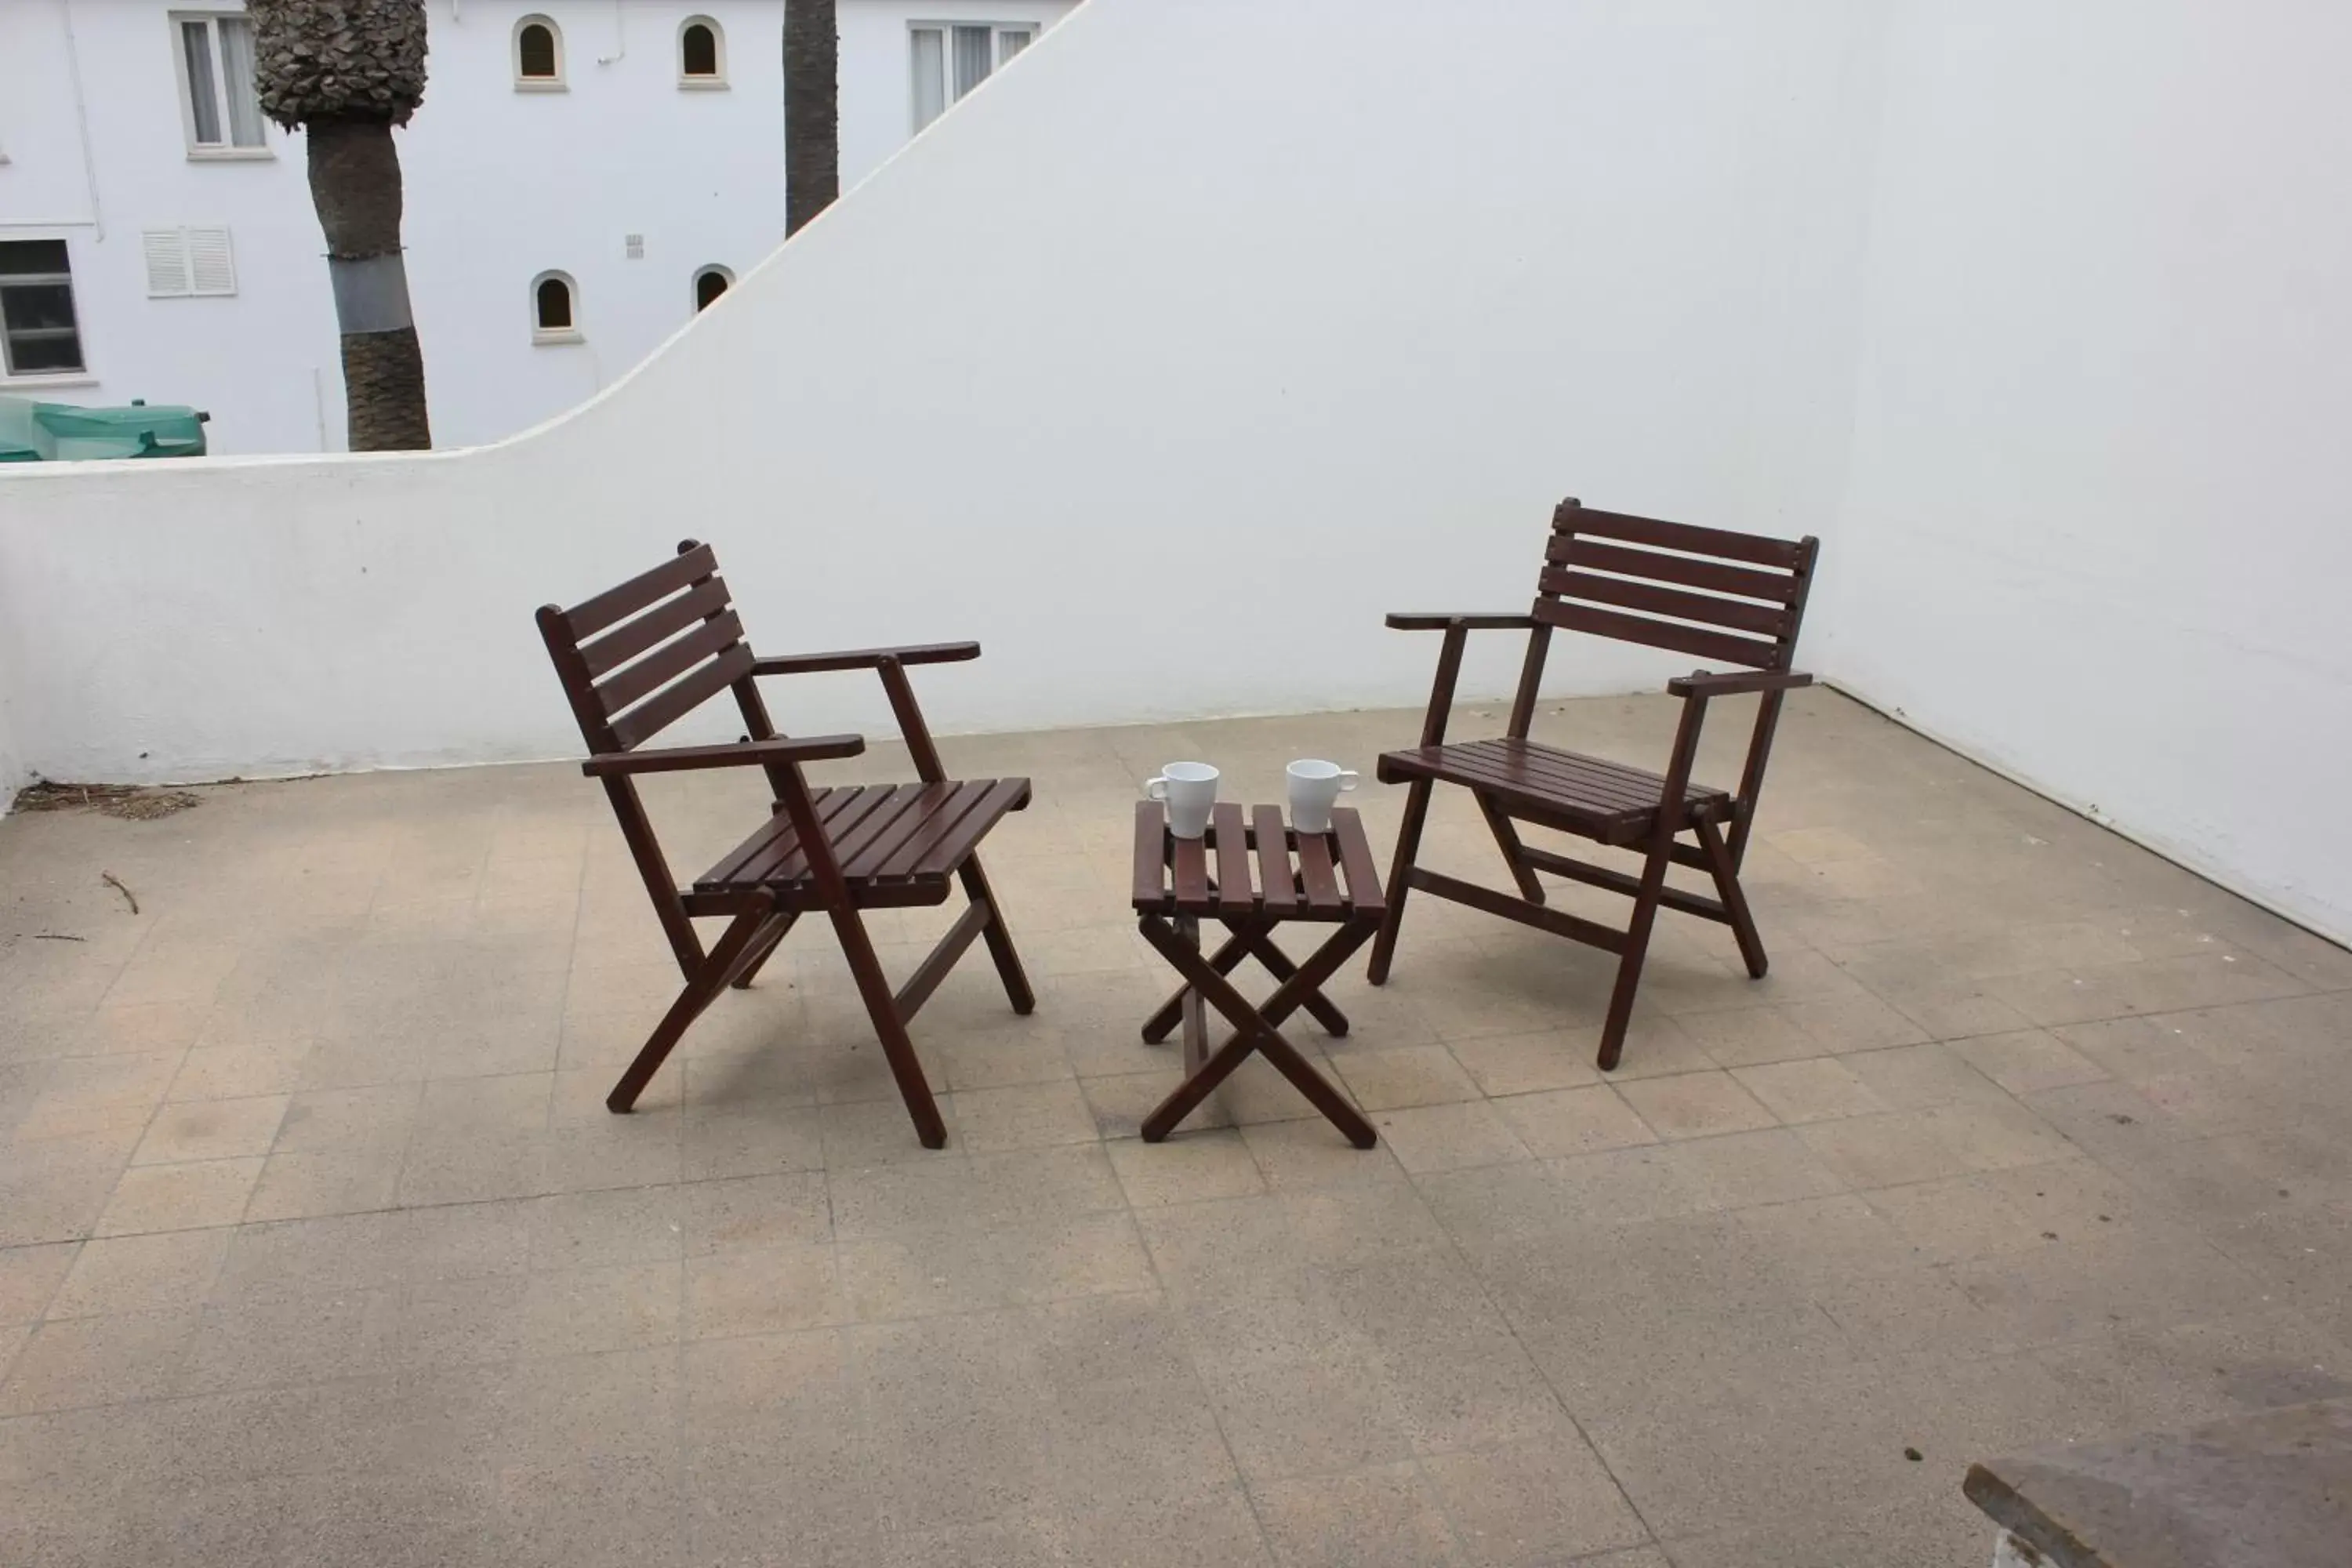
(1254, 1028)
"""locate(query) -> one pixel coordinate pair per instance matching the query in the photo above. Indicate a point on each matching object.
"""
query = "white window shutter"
(167, 263)
(211, 270)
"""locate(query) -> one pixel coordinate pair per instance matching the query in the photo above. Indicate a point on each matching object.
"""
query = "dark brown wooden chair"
(637, 659)
(1732, 598)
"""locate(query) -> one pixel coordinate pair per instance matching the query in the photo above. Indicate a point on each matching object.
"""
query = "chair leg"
(764, 952)
(707, 983)
(897, 1048)
(1735, 901)
(1506, 839)
(1637, 947)
(999, 939)
(1416, 812)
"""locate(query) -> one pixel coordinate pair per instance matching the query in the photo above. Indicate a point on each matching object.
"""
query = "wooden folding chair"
(1735, 598)
(637, 659)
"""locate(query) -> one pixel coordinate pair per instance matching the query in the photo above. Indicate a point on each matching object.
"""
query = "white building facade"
(583, 175)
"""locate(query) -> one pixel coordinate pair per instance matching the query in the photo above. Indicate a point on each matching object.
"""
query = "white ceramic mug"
(1315, 788)
(1189, 789)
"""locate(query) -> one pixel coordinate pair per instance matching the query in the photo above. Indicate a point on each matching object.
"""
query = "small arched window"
(701, 53)
(538, 54)
(709, 283)
(554, 308)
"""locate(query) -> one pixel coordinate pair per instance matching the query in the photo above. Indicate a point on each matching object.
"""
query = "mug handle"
(1156, 788)
(1347, 779)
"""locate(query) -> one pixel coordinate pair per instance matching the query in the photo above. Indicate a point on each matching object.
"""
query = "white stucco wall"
(2051, 353)
(1164, 406)
(2097, 531)
(501, 185)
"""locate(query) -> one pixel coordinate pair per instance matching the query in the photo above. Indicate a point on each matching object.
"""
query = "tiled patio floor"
(319, 1247)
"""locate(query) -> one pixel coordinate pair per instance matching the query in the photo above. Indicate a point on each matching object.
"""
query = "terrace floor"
(318, 1245)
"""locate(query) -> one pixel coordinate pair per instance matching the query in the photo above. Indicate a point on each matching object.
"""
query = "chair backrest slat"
(1695, 640)
(637, 681)
(1730, 598)
(1708, 609)
(666, 620)
(674, 703)
(1567, 550)
(637, 659)
(592, 615)
(1659, 534)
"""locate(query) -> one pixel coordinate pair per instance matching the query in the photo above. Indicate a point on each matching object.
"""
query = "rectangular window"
(224, 115)
(39, 335)
(950, 60)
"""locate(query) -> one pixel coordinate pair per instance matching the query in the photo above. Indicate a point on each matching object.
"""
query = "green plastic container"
(34, 432)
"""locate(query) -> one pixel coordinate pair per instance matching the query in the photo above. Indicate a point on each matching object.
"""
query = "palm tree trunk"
(355, 185)
(812, 111)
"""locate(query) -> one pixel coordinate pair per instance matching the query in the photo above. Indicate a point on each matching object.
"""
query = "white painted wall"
(1164, 369)
(1356, 331)
(2097, 531)
(501, 186)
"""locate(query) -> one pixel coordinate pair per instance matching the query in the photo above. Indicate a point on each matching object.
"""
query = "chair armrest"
(865, 658)
(1433, 621)
(1701, 683)
(741, 754)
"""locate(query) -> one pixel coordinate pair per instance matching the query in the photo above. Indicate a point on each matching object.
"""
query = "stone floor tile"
(1021, 1116)
(1743, 1036)
(306, 1183)
(2027, 1060)
(1364, 1519)
(29, 1278)
(1816, 1089)
(755, 1211)
(1449, 1137)
(1529, 1063)
(1574, 1121)
(1533, 1503)
(1294, 1156)
(169, 1272)
(1187, 1168)
(70, 1363)
(1408, 1075)
(179, 1197)
(1695, 1105)
(1771, 1165)
(1883, 1150)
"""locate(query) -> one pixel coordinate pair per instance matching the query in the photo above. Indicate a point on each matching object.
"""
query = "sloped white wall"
(2098, 531)
(1164, 366)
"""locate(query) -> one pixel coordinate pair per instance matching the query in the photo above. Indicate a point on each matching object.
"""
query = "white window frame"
(998, 59)
(694, 284)
(542, 336)
(522, 83)
(211, 151)
(84, 376)
(718, 40)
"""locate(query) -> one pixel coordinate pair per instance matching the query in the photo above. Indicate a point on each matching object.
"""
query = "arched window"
(538, 54)
(709, 283)
(701, 53)
(554, 308)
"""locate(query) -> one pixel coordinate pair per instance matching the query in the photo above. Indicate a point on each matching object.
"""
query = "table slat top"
(1211, 876)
